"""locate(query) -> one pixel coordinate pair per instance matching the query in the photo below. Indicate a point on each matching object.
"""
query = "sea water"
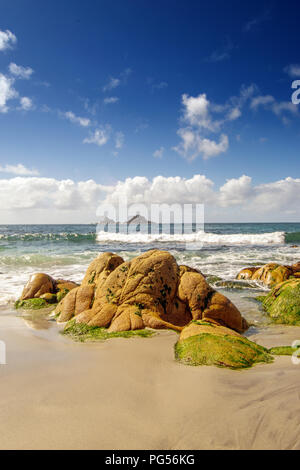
(65, 251)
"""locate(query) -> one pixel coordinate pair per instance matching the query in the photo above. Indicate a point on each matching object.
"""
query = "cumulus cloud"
(193, 144)
(111, 100)
(99, 137)
(19, 71)
(293, 70)
(7, 40)
(235, 191)
(48, 193)
(200, 117)
(18, 170)
(22, 198)
(26, 104)
(159, 153)
(169, 190)
(7, 92)
(84, 122)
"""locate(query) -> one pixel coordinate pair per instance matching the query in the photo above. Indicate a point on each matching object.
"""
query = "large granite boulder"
(270, 274)
(283, 302)
(208, 343)
(44, 287)
(149, 291)
(38, 284)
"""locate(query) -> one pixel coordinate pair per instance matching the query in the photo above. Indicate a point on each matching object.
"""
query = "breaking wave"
(203, 238)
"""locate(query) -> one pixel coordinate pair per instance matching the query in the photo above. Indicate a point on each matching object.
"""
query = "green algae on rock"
(202, 343)
(50, 298)
(212, 279)
(31, 304)
(83, 332)
(283, 302)
(235, 285)
(271, 274)
(284, 351)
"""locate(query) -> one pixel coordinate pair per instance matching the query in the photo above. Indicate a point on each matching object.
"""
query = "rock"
(149, 291)
(81, 298)
(235, 285)
(50, 298)
(270, 274)
(207, 343)
(205, 303)
(246, 273)
(41, 285)
(212, 279)
(38, 284)
(283, 302)
(32, 304)
(296, 267)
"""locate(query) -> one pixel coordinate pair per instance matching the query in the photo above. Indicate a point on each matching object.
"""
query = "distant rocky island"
(135, 220)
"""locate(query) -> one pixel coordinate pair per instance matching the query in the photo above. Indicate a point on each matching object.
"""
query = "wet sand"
(131, 394)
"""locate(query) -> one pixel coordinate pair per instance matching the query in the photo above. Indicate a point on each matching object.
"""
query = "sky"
(149, 102)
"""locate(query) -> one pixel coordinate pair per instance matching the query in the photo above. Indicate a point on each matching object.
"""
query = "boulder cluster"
(152, 291)
(270, 274)
(42, 289)
(282, 303)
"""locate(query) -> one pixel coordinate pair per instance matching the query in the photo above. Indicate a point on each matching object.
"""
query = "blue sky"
(109, 90)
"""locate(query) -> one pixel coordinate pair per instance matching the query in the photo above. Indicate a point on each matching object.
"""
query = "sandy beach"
(131, 394)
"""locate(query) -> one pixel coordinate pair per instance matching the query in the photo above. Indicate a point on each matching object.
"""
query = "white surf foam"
(203, 238)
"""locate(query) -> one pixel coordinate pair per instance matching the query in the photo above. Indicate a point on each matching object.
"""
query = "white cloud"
(19, 71)
(200, 117)
(23, 199)
(84, 122)
(7, 92)
(196, 111)
(159, 153)
(235, 191)
(234, 114)
(261, 101)
(48, 193)
(279, 108)
(119, 140)
(7, 40)
(111, 100)
(112, 83)
(18, 170)
(99, 137)
(26, 103)
(293, 70)
(162, 189)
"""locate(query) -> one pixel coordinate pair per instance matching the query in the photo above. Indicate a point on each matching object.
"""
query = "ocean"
(65, 251)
